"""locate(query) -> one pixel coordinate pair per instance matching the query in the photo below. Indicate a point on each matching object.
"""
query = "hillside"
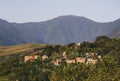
(115, 33)
(19, 50)
(96, 61)
(60, 30)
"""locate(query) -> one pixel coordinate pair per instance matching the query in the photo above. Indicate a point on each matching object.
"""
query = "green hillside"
(106, 68)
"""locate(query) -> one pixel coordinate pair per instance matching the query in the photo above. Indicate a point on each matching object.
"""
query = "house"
(64, 54)
(78, 44)
(70, 61)
(29, 58)
(90, 54)
(99, 57)
(80, 60)
(91, 61)
(94, 62)
(44, 57)
(57, 61)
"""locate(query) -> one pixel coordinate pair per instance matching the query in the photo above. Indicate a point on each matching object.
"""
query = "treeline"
(37, 70)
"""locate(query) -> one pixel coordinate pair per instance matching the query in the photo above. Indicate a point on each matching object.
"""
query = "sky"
(41, 10)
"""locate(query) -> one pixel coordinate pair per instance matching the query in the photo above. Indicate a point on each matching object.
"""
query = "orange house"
(29, 58)
(80, 60)
(44, 57)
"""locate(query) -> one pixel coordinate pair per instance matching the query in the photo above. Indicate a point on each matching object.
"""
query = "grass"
(4, 78)
(20, 49)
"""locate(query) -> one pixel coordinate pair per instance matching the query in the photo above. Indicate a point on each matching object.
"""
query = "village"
(70, 62)
(88, 58)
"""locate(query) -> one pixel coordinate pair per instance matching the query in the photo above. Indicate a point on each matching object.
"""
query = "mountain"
(60, 30)
(116, 32)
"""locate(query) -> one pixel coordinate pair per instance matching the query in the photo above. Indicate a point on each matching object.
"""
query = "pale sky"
(41, 10)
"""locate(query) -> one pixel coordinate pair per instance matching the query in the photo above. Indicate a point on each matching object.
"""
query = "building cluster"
(33, 57)
(88, 59)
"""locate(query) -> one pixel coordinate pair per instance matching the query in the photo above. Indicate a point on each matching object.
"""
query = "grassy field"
(20, 49)
(4, 78)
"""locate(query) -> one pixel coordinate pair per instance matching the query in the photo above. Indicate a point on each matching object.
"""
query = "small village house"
(44, 57)
(80, 60)
(64, 54)
(70, 61)
(99, 57)
(29, 58)
(90, 54)
(91, 61)
(78, 44)
(57, 61)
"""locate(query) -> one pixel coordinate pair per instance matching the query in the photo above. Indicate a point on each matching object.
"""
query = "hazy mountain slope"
(116, 32)
(60, 30)
(7, 35)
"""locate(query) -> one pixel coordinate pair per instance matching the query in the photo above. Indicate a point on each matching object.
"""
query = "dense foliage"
(37, 70)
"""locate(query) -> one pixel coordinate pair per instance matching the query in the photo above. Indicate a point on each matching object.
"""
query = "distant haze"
(60, 30)
(41, 10)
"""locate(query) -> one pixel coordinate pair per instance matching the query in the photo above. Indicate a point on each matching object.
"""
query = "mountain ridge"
(59, 30)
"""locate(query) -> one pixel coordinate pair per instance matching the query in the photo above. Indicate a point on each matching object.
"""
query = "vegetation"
(108, 69)
(20, 49)
(9, 52)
